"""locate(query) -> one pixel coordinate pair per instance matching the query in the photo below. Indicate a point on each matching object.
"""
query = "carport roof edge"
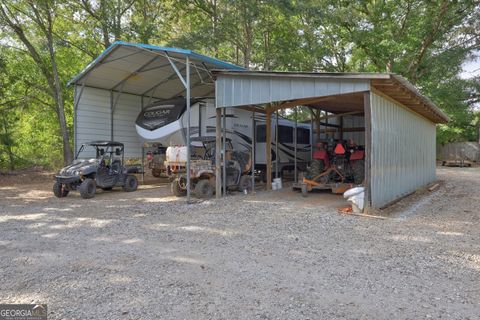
(132, 67)
(398, 88)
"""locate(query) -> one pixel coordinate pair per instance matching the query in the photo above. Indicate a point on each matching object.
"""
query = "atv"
(105, 171)
(202, 169)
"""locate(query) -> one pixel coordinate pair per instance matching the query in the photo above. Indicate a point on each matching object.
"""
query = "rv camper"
(166, 122)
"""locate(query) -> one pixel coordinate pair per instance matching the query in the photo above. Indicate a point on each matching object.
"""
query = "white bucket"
(278, 182)
(357, 197)
(274, 186)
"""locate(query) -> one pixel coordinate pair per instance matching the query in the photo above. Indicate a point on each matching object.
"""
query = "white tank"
(177, 154)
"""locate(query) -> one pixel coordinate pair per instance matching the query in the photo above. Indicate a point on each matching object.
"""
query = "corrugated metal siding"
(93, 120)
(124, 116)
(354, 122)
(93, 117)
(250, 90)
(349, 121)
(403, 151)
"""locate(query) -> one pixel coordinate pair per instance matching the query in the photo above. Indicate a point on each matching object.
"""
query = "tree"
(32, 23)
(107, 16)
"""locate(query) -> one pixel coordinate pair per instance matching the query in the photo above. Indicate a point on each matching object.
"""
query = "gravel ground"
(146, 255)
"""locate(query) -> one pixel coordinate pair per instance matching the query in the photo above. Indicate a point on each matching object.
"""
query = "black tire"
(59, 190)
(157, 173)
(87, 189)
(204, 189)
(358, 168)
(176, 189)
(131, 183)
(245, 184)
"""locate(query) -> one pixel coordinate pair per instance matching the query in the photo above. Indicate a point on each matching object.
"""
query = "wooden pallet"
(457, 163)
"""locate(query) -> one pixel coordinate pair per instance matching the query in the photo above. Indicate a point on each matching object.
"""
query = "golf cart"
(105, 171)
(202, 168)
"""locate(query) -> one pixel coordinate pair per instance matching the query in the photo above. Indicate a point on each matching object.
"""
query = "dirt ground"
(147, 255)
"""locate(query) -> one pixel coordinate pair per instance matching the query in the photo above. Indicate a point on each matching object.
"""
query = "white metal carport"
(399, 129)
(114, 88)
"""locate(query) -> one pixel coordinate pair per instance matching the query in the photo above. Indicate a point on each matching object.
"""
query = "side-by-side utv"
(105, 171)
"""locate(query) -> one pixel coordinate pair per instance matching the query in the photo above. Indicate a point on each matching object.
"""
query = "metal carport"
(400, 123)
(112, 89)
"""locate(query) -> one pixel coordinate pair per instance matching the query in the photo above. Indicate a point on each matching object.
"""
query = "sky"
(471, 68)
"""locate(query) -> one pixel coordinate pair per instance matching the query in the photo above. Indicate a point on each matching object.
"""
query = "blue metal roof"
(219, 64)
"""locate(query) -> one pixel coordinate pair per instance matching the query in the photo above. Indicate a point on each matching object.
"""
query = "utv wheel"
(131, 183)
(59, 190)
(245, 184)
(87, 189)
(358, 168)
(157, 173)
(204, 189)
(176, 189)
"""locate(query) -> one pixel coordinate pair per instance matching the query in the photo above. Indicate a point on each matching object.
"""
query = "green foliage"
(425, 41)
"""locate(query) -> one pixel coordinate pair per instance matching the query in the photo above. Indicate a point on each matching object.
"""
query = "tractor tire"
(204, 189)
(131, 183)
(358, 168)
(59, 190)
(316, 168)
(245, 184)
(176, 189)
(88, 188)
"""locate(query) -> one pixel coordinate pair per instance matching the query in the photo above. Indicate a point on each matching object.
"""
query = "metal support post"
(268, 147)
(224, 174)
(253, 152)
(276, 144)
(295, 133)
(187, 60)
(218, 154)
(111, 115)
(312, 143)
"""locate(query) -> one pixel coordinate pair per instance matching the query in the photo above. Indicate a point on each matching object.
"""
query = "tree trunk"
(8, 144)
(51, 76)
(58, 94)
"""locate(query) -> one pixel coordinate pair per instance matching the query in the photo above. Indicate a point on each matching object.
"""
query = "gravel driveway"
(146, 255)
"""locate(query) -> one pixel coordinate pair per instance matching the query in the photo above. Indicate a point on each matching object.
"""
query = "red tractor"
(336, 167)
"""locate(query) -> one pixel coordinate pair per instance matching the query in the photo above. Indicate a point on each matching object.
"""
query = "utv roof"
(104, 144)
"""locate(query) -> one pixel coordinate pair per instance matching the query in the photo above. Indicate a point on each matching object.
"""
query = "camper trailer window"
(261, 133)
(285, 134)
(303, 136)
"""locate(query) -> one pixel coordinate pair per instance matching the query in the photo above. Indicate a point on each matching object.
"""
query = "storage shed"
(399, 123)
(383, 111)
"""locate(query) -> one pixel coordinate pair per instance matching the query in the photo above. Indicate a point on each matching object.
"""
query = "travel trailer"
(166, 122)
